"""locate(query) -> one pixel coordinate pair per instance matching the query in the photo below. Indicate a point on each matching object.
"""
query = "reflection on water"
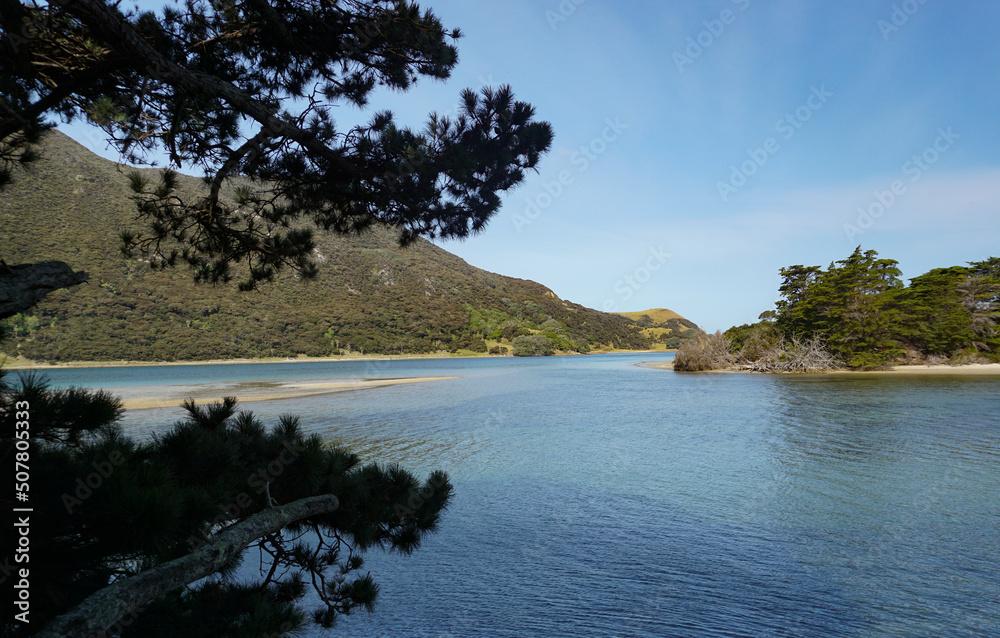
(598, 498)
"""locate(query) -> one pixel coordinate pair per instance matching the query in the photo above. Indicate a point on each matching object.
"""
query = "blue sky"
(701, 146)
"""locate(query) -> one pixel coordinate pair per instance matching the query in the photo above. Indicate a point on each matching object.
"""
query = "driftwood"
(107, 607)
(714, 352)
(809, 355)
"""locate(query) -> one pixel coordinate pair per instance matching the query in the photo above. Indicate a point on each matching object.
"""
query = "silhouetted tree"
(158, 517)
(244, 91)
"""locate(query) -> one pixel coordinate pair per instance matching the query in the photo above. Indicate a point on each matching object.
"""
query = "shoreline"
(222, 362)
(339, 359)
(250, 392)
(969, 369)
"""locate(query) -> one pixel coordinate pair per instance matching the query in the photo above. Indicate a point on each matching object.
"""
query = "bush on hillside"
(533, 346)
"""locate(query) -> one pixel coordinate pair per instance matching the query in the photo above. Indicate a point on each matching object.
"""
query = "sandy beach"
(972, 369)
(247, 392)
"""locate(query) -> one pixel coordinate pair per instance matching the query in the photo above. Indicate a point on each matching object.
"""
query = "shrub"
(672, 343)
(967, 357)
(766, 351)
(756, 342)
(711, 352)
(533, 346)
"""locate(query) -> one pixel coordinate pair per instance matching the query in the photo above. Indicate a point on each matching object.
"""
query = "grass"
(657, 315)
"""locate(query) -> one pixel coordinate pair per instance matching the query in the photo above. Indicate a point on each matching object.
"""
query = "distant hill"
(370, 296)
(663, 327)
(655, 315)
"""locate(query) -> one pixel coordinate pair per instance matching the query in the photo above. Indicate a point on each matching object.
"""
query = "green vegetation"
(106, 506)
(370, 296)
(245, 94)
(664, 328)
(533, 346)
(858, 314)
(851, 306)
(143, 538)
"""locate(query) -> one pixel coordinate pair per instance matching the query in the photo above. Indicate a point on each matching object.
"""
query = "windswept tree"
(936, 313)
(850, 306)
(980, 293)
(796, 313)
(863, 314)
(859, 316)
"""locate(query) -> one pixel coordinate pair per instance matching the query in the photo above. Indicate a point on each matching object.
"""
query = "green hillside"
(663, 328)
(370, 296)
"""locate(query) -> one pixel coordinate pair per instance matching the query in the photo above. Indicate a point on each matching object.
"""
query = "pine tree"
(864, 315)
(851, 306)
(980, 293)
(245, 91)
(935, 317)
(106, 507)
(859, 315)
(796, 312)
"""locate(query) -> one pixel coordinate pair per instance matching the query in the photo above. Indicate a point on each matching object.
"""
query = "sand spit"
(248, 392)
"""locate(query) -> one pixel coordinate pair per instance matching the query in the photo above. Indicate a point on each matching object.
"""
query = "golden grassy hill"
(663, 327)
(657, 315)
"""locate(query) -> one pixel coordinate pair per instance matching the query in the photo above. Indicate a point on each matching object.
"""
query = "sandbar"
(247, 392)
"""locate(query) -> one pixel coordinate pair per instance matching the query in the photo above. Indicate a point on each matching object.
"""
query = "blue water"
(595, 497)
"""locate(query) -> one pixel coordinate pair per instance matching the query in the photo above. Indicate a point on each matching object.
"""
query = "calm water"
(599, 498)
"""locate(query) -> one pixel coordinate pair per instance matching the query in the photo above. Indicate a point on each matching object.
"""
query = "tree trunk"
(105, 608)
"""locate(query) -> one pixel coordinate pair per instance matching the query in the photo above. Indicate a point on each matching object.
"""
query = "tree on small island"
(144, 538)
(857, 314)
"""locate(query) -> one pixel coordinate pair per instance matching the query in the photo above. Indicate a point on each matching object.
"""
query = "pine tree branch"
(108, 23)
(108, 606)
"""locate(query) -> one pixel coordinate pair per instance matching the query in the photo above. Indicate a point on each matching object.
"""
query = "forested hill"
(370, 296)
